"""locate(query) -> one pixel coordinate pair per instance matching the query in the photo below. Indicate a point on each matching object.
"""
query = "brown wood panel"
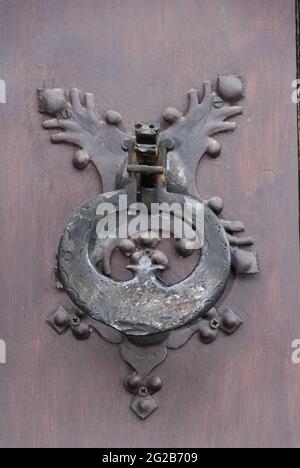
(140, 56)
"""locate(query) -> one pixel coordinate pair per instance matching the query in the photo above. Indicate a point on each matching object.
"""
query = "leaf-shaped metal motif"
(100, 141)
(193, 131)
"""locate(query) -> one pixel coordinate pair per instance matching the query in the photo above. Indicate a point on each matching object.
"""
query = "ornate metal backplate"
(146, 314)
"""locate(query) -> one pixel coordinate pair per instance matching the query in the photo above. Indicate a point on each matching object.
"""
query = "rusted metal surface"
(144, 305)
(146, 314)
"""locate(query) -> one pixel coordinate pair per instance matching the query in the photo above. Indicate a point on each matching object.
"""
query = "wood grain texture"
(141, 56)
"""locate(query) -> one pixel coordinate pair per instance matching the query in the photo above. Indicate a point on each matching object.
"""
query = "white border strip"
(2, 352)
(2, 92)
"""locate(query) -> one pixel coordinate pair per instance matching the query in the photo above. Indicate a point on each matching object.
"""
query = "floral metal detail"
(207, 328)
(82, 327)
(142, 383)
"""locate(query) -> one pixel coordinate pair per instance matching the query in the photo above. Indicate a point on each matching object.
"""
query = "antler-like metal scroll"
(204, 118)
(99, 140)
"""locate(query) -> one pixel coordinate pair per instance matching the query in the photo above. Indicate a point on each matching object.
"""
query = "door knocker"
(145, 311)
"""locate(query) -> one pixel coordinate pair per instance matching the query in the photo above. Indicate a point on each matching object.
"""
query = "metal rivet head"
(215, 324)
(75, 321)
(143, 391)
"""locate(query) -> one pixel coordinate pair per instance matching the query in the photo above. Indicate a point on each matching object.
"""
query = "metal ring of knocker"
(144, 305)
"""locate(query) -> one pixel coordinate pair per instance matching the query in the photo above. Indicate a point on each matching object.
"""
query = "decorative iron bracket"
(146, 314)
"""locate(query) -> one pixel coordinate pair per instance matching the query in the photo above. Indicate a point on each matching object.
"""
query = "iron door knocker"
(147, 314)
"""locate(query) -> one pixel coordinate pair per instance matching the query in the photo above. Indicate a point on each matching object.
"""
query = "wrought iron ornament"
(146, 314)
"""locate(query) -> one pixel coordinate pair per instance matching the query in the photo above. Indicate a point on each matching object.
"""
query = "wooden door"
(139, 57)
